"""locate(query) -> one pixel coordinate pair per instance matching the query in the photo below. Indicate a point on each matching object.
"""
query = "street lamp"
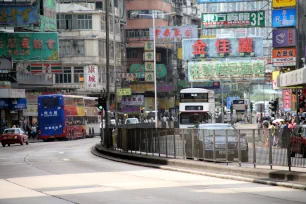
(153, 15)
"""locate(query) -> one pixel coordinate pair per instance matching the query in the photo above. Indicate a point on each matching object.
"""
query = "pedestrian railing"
(243, 147)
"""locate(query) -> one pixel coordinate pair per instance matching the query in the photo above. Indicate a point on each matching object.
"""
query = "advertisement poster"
(284, 17)
(284, 56)
(19, 15)
(284, 38)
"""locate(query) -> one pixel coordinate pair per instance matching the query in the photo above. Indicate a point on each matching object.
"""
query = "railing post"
(192, 143)
(135, 142)
(239, 149)
(166, 143)
(214, 146)
(184, 152)
(254, 148)
(203, 144)
(174, 146)
(226, 146)
(288, 148)
(140, 142)
(270, 147)
(158, 143)
(152, 142)
(146, 141)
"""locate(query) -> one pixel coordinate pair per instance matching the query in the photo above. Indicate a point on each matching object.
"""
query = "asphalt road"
(67, 172)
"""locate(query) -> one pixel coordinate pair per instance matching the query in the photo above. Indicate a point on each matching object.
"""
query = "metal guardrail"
(256, 146)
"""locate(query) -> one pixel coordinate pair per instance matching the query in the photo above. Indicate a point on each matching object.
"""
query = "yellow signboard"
(148, 46)
(124, 92)
(179, 53)
(148, 56)
(283, 3)
(149, 76)
(274, 79)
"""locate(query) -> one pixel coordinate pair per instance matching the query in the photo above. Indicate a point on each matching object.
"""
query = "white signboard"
(134, 100)
(91, 77)
(31, 110)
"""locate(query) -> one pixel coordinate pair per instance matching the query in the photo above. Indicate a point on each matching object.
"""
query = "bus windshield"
(194, 118)
(194, 97)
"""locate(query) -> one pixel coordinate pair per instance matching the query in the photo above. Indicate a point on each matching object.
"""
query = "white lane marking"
(66, 159)
(61, 152)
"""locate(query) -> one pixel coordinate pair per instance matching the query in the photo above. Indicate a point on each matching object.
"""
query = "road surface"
(67, 172)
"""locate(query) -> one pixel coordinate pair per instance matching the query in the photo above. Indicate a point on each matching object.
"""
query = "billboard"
(174, 33)
(275, 74)
(283, 18)
(91, 74)
(25, 76)
(227, 71)
(284, 38)
(225, 47)
(134, 100)
(30, 46)
(19, 15)
(284, 56)
(233, 19)
(124, 92)
(222, 1)
(286, 100)
(283, 3)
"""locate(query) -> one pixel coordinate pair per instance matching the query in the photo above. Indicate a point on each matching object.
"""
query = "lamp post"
(153, 15)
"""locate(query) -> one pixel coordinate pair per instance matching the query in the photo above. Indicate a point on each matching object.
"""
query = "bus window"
(50, 102)
(78, 120)
(191, 118)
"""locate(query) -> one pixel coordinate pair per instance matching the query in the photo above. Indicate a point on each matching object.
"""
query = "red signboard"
(287, 100)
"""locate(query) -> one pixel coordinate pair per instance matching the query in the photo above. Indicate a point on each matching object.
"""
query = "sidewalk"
(278, 176)
(34, 140)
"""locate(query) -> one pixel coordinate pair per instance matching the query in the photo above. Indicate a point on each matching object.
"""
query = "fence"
(244, 147)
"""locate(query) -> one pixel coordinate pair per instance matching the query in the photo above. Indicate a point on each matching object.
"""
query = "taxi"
(13, 136)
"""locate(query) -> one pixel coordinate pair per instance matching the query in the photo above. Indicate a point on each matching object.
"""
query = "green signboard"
(227, 71)
(40, 46)
(139, 69)
(234, 19)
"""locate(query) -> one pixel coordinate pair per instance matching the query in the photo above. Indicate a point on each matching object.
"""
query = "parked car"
(131, 121)
(298, 141)
(206, 132)
(13, 136)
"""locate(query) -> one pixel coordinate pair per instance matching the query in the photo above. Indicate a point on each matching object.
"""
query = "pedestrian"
(14, 126)
(271, 134)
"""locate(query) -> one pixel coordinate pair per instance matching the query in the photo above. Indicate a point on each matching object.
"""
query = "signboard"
(32, 110)
(225, 47)
(124, 92)
(149, 66)
(148, 46)
(29, 78)
(204, 71)
(91, 77)
(29, 46)
(284, 18)
(286, 100)
(126, 75)
(148, 56)
(233, 19)
(165, 88)
(222, 1)
(284, 38)
(274, 79)
(45, 68)
(149, 76)
(229, 101)
(4, 103)
(174, 33)
(19, 103)
(284, 56)
(131, 109)
(138, 69)
(179, 53)
(283, 3)
(5, 63)
(205, 84)
(19, 15)
(134, 100)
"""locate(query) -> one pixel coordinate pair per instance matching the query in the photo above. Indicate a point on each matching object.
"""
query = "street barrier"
(242, 147)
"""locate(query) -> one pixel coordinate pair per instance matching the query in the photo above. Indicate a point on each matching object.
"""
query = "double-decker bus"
(67, 116)
(196, 106)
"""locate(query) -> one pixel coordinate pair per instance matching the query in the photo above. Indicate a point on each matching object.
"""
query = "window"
(78, 74)
(84, 21)
(111, 50)
(49, 102)
(118, 50)
(65, 47)
(137, 14)
(132, 54)
(99, 5)
(111, 25)
(64, 21)
(117, 25)
(139, 33)
(78, 47)
(102, 48)
(102, 22)
(64, 77)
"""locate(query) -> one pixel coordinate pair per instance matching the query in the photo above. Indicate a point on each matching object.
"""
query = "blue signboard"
(19, 14)
(4, 103)
(19, 103)
(284, 18)
(229, 101)
(222, 1)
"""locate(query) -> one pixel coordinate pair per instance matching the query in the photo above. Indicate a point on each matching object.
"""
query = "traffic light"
(101, 103)
(273, 105)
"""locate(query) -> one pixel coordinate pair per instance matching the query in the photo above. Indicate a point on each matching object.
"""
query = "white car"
(131, 121)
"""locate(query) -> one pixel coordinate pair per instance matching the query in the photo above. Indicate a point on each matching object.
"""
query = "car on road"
(131, 121)
(298, 141)
(206, 146)
(13, 136)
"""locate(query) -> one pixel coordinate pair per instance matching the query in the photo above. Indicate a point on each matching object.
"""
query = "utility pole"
(107, 135)
(115, 68)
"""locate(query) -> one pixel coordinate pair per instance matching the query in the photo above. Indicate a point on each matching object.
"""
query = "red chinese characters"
(188, 33)
(167, 32)
(25, 43)
(245, 45)
(177, 32)
(199, 48)
(223, 46)
(157, 32)
(50, 44)
(37, 44)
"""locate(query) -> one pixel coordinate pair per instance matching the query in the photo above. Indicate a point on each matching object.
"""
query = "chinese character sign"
(283, 17)
(203, 71)
(134, 100)
(284, 56)
(91, 77)
(19, 15)
(29, 46)
(174, 33)
(287, 100)
(227, 47)
(148, 46)
(283, 3)
(233, 19)
(284, 38)
(124, 92)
